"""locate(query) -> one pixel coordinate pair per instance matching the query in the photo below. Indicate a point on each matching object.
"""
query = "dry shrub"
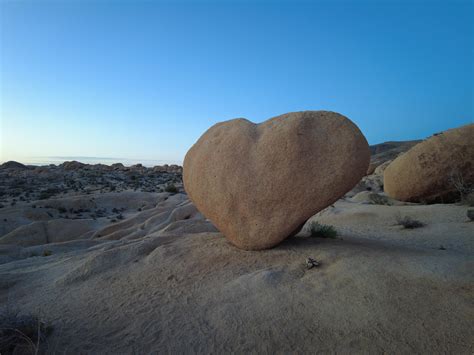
(21, 334)
(408, 222)
(319, 230)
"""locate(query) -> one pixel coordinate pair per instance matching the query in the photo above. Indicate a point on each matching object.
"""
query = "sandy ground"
(164, 281)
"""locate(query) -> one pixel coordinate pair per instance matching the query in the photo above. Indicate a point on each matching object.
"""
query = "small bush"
(318, 230)
(47, 253)
(408, 222)
(171, 188)
(48, 193)
(463, 186)
(20, 334)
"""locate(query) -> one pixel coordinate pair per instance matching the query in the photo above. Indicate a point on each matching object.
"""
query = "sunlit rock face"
(258, 183)
(436, 170)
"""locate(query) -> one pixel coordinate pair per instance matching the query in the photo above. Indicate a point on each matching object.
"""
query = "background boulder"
(436, 170)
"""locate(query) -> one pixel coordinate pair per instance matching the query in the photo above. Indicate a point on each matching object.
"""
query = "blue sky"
(142, 80)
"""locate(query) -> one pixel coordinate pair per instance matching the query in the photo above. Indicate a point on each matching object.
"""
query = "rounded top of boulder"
(72, 165)
(13, 165)
(431, 170)
(117, 166)
(258, 183)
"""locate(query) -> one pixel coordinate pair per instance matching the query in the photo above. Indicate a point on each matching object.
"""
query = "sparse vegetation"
(21, 334)
(377, 199)
(171, 188)
(318, 230)
(47, 252)
(52, 181)
(408, 222)
(463, 187)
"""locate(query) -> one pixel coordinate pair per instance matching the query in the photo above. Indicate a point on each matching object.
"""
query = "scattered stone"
(36, 183)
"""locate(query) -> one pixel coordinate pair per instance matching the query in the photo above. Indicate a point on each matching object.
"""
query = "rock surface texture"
(432, 170)
(258, 183)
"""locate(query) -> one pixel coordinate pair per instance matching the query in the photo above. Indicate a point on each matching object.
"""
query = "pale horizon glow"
(140, 81)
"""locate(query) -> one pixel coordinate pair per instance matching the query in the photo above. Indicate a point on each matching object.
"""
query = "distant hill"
(382, 152)
(401, 146)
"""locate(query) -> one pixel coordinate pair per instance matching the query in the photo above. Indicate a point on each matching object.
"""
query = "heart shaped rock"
(258, 183)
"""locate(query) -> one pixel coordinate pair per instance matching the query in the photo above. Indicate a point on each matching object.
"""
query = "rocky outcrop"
(13, 165)
(383, 152)
(72, 165)
(168, 168)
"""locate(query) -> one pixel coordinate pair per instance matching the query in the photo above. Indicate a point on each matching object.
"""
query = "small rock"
(310, 263)
(470, 214)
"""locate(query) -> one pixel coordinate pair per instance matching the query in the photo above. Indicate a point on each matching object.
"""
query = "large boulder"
(434, 170)
(72, 165)
(259, 183)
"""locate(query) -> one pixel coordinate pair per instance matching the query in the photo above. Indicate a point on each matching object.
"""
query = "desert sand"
(162, 279)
